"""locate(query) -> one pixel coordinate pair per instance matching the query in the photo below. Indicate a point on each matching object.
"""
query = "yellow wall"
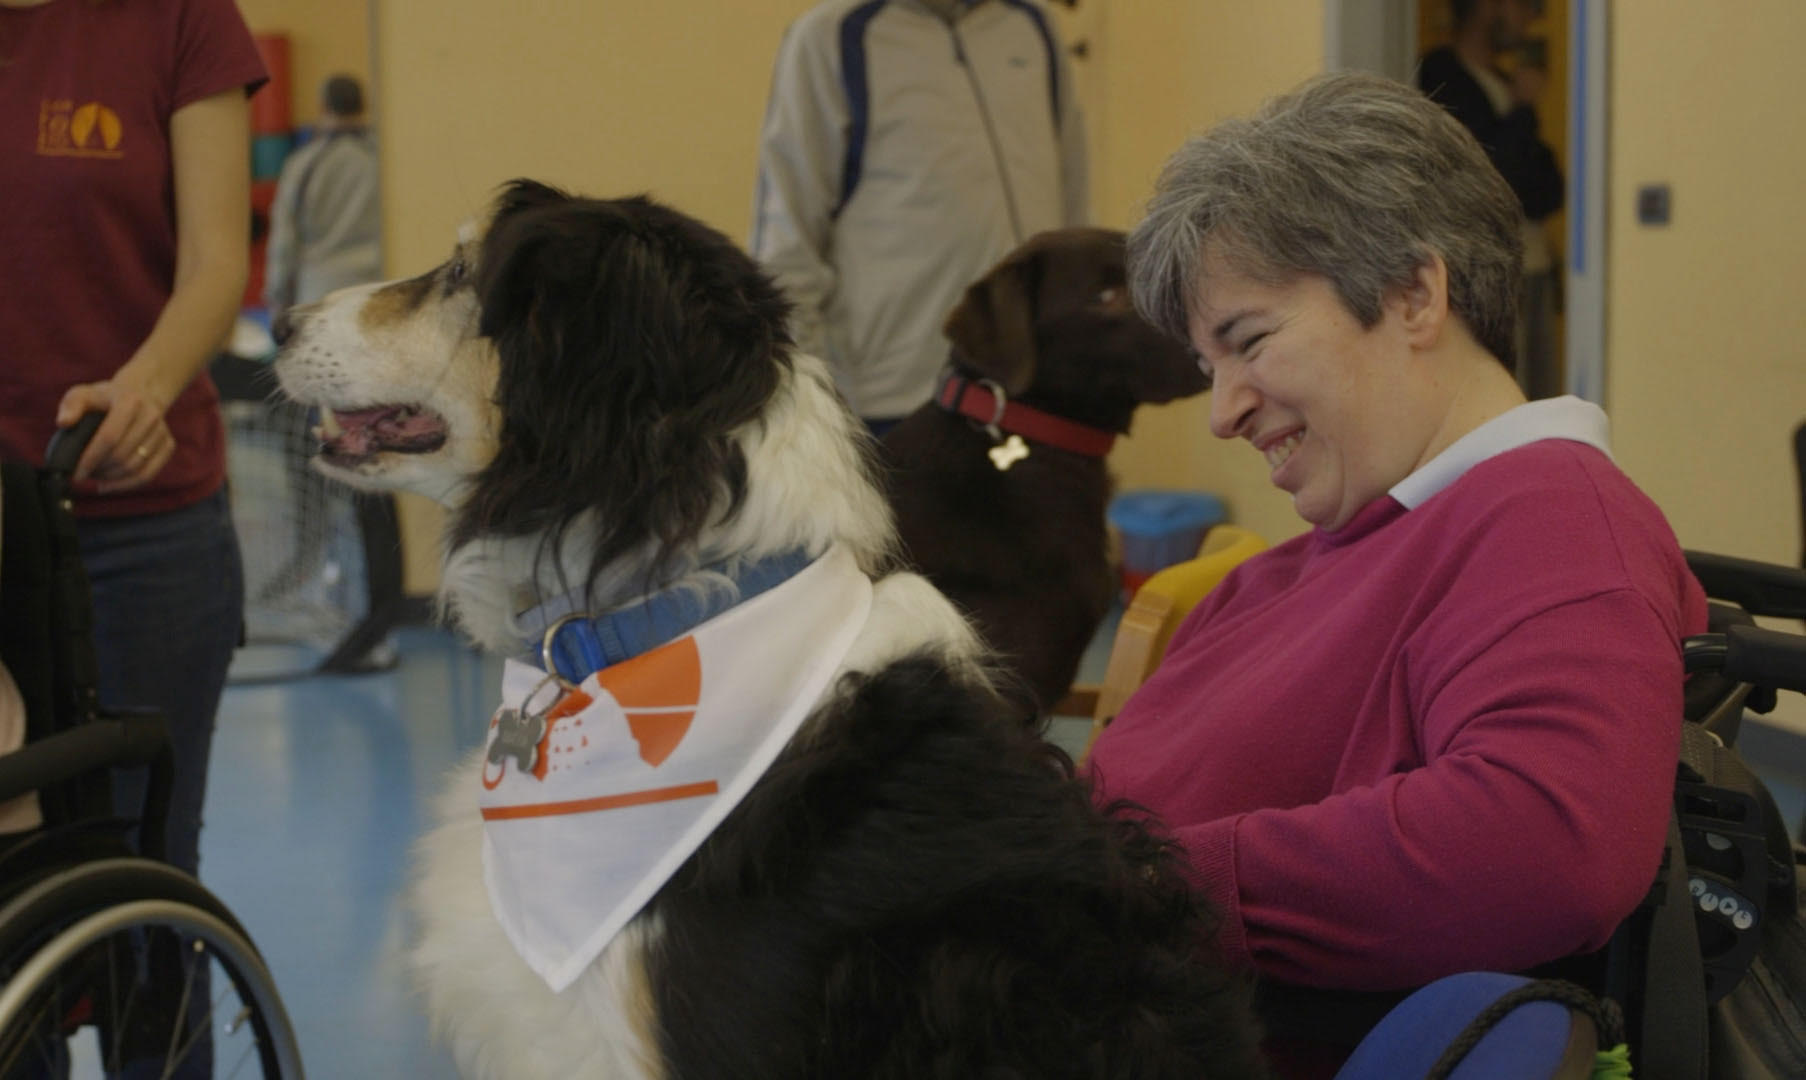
(1706, 328)
(1171, 68)
(611, 97)
(326, 37)
(1706, 324)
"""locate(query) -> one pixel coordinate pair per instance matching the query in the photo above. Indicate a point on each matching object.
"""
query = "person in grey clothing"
(326, 222)
(325, 234)
(907, 146)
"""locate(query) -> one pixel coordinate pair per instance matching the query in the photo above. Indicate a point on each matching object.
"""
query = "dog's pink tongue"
(357, 433)
(407, 424)
(359, 417)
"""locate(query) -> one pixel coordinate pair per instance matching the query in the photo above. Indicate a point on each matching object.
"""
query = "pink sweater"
(1439, 739)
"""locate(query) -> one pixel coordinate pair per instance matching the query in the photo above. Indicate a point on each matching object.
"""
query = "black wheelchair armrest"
(1759, 588)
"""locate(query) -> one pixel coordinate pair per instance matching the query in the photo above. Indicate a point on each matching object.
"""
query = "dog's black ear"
(522, 194)
(993, 326)
(507, 280)
(632, 342)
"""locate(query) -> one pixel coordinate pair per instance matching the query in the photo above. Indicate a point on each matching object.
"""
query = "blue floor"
(317, 792)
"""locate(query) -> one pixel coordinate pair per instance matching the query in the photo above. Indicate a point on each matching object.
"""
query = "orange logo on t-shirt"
(66, 129)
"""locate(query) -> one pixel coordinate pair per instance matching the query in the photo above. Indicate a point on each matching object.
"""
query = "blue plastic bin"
(1160, 528)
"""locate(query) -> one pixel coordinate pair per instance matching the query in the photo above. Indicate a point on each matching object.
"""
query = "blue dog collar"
(572, 645)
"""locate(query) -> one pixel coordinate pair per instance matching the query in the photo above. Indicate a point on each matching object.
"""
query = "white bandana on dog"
(593, 797)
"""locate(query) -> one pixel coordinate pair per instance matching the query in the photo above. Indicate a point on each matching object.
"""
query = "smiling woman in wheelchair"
(1436, 733)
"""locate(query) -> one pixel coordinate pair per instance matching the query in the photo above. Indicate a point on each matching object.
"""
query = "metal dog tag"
(1008, 452)
(517, 736)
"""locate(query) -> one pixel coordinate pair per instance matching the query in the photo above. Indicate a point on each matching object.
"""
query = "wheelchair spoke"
(57, 1010)
(138, 968)
(181, 1040)
(119, 1012)
(22, 1045)
(121, 1019)
(239, 1018)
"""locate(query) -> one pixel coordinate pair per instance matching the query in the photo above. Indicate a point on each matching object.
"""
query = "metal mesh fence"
(318, 594)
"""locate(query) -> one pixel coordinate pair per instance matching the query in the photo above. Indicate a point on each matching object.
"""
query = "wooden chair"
(1158, 607)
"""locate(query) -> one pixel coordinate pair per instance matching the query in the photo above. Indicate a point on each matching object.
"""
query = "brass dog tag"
(1008, 452)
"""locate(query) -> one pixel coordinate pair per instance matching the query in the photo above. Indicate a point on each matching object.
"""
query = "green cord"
(1613, 1064)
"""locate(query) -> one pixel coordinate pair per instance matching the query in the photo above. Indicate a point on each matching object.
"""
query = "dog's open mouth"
(352, 437)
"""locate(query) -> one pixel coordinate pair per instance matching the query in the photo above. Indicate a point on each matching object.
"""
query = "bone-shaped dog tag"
(1008, 452)
(517, 736)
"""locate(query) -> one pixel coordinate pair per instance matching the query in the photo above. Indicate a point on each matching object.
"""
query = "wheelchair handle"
(1759, 588)
(1750, 654)
(66, 445)
(119, 739)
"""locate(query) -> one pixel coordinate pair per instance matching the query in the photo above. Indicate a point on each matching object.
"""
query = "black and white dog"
(604, 395)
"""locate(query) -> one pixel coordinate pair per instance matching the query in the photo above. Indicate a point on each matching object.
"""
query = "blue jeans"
(168, 612)
(168, 601)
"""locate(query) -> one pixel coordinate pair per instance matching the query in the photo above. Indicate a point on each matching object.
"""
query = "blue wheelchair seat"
(1488, 1026)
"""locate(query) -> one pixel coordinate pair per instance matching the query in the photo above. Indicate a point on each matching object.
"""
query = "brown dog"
(999, 484)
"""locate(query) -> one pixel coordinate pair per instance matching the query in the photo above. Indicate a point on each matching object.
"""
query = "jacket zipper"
(984, 114)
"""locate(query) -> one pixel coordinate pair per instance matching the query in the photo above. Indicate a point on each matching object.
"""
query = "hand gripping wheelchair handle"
(67, 444)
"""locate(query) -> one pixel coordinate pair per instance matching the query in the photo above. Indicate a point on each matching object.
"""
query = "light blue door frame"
(1589, 89)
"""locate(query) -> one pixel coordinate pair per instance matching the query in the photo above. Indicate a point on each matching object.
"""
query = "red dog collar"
(984, 401)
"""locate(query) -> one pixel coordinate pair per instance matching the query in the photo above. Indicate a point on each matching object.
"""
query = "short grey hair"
(1351, 177)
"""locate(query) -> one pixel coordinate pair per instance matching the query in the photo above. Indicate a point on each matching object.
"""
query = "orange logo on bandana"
(66, 129)
(658, 691)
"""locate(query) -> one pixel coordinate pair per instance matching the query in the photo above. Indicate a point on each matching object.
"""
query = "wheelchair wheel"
(137, 950)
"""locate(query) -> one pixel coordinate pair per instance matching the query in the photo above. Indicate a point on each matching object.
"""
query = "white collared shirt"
(1569, 417)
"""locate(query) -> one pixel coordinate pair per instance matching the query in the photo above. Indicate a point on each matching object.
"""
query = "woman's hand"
(132, 445)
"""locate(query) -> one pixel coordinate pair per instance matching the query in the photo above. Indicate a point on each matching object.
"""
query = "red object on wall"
(270, 113)
(263, 196)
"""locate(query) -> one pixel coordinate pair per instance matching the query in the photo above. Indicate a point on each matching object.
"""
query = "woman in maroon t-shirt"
(124, 150)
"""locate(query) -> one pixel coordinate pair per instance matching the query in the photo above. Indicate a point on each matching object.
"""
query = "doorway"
(1565, 39)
